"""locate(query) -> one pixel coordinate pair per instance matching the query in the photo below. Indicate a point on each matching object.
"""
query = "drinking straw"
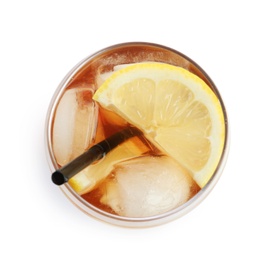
(93, 154)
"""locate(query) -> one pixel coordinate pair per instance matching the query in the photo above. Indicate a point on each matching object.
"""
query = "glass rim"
(99, 214)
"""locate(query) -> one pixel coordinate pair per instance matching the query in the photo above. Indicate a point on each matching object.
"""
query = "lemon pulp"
(176, 110)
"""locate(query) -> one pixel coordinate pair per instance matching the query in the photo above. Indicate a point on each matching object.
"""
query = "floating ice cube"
(147, 186)
(102, 77)
(74, 124)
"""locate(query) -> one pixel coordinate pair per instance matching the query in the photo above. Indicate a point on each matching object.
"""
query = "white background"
(234, 41)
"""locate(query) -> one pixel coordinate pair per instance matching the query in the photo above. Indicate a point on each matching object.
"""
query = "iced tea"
(138, 183)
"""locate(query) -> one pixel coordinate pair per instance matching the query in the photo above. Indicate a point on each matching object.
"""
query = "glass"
(75, 122)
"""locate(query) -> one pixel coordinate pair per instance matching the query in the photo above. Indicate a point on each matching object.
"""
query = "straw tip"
(58, 178)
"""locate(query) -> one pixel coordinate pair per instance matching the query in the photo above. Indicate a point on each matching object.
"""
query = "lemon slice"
(176, 110)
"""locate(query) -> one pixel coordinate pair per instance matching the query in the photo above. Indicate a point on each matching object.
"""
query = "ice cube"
(102, 77)
(74, 124)
(147, 186)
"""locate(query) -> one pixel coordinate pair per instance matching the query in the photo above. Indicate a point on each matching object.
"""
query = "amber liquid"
(108, 122)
